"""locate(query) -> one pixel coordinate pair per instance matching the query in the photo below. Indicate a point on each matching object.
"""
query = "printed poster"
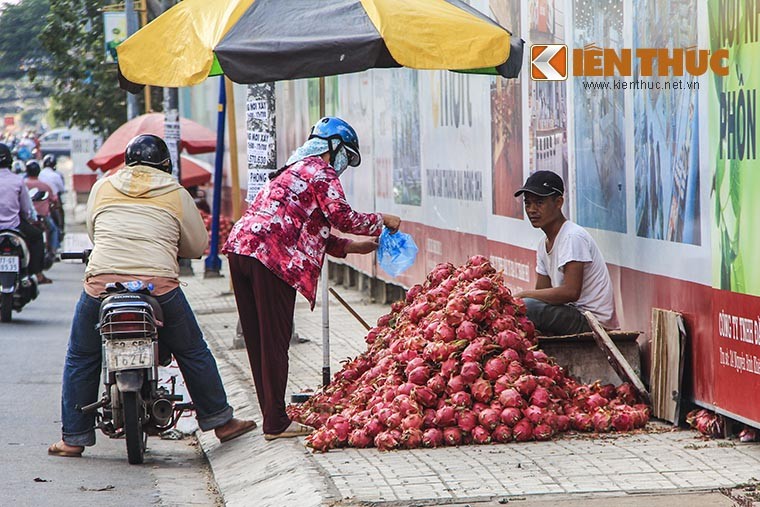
(114, 33)
(506, 124)
(405, 110)
(599, 124)
(666, 129)
(734, 141)
(260, 136)
(547, 100)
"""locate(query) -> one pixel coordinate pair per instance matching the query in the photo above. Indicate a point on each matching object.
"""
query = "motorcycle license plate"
(8, 264)
(129, 354)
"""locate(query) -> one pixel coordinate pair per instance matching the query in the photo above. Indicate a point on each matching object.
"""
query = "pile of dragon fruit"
(457, 363)
(713, 425)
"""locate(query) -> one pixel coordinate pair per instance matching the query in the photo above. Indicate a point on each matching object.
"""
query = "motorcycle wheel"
(6, 307)
(133, 428)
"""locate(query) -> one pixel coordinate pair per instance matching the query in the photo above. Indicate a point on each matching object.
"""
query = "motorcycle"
(57, 214)
(49, 259)
(17, 287)
(133, 405)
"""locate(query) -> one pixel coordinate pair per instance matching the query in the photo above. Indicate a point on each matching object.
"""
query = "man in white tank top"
(572, 274)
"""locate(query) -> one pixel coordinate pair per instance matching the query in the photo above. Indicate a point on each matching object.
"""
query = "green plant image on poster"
(733, 137)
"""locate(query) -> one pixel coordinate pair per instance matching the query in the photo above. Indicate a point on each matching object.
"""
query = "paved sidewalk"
(574, 469)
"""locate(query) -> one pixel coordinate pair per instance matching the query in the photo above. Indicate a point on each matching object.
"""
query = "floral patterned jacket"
(287, 227)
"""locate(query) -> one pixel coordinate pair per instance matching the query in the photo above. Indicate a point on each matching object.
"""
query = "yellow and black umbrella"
(253, 41)
(257, 41)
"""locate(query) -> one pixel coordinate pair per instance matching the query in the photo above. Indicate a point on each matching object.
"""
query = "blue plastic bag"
(396, 252)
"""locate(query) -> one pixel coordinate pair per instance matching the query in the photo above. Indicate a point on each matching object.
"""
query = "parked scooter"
(133, 405)
(17, 286)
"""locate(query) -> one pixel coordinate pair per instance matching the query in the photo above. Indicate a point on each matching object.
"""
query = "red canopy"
(194, 171)
(195, 139)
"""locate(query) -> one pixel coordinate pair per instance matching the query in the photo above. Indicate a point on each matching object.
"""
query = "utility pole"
(172, 129)
(132, 26)
(172, 138)
(144, 21)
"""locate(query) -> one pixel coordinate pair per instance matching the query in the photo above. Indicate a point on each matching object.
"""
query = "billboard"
(663, 179)
(114, 33)
(735, 171)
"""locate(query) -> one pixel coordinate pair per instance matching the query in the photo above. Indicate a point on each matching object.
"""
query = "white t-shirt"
(54, 179)
(574, 243)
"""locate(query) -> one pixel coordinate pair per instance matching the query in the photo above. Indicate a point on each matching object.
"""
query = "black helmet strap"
(333, 151)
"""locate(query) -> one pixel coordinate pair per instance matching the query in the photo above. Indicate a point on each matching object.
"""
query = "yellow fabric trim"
(176, 48)
(108, 195)
(433, 34)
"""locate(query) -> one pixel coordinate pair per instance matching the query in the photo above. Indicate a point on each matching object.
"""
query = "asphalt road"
(32, 353)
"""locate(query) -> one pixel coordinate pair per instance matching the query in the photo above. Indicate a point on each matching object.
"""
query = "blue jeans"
(180, 334)
(55, 234)
(556, 319)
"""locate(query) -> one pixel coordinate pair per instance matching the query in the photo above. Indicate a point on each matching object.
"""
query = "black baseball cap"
(543, 184)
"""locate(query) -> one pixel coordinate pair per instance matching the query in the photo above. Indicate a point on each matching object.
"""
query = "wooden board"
(666, 373)
(616, 359)
(682, 355)
(614, 335)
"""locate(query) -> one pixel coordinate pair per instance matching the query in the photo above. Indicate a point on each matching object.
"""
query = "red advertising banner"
(736, 353)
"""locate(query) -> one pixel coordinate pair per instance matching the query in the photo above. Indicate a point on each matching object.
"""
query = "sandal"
(242, 430)
(54, 450)
(294, 430)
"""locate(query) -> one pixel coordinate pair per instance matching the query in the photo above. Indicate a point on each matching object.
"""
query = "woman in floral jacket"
(278, 247)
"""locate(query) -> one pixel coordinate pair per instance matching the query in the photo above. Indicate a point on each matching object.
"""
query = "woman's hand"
(392, 222)
(361, 247)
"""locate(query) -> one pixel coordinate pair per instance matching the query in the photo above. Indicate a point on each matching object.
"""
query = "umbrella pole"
(325, 279)
(143, 22)
(232, 134)
(213, 263)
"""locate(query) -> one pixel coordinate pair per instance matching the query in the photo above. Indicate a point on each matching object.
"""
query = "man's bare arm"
(569, 292)
(543, 282)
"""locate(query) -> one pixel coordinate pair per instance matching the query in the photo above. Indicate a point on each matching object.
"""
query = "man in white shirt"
(572, 274)
(55, 180)
(51, 176)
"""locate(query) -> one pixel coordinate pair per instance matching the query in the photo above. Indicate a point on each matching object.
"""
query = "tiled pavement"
(287, 473)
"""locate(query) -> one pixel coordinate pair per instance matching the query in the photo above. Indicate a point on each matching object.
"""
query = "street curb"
(278, 473)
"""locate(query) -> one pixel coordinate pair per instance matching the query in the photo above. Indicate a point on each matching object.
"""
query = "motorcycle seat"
(18, 240)
(13, 231)
(124, 299)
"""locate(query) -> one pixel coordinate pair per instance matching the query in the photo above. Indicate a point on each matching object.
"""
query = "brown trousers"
(265, 305)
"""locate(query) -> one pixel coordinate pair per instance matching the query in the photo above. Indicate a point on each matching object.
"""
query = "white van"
(56, 142)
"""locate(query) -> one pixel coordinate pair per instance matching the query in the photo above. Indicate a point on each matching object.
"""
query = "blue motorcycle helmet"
(331, 127)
